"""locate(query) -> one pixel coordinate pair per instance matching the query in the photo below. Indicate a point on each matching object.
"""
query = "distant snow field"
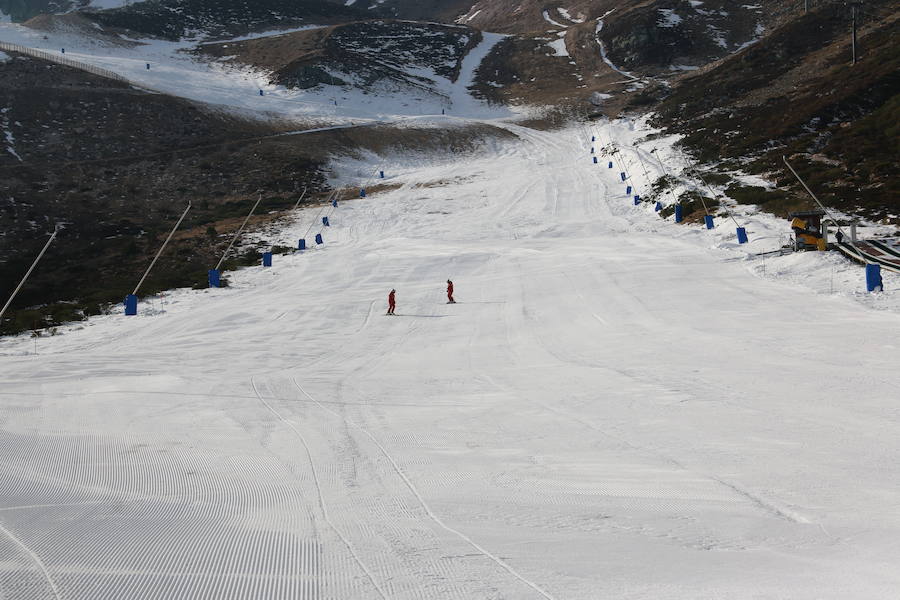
(174, 71)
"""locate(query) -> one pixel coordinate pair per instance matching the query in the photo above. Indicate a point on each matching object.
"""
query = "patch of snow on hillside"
(4, 57)
(567, 15)
(550, 20)
(603, 49)
(559, 47)
(466, 19)
(266, 34)
(597, 98)
(668, 18)
(718, 37)
(760, 30)
(8, 134)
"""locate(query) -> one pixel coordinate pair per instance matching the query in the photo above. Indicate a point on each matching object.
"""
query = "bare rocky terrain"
(362, 54)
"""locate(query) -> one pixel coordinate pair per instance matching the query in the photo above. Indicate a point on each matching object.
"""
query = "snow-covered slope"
(615, 408)
(174, 70)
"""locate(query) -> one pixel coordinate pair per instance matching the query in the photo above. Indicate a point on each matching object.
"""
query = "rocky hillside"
(369, 55)
(174, 19)
(637, 35)
(445, 11)
(22, 10)
(797, 93)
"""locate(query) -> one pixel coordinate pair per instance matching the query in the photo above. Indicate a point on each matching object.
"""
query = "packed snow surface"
(616, 407)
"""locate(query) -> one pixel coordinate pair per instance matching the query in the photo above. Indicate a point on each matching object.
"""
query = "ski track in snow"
(616, 406)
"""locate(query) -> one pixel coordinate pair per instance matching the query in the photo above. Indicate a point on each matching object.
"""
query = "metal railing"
(63, 60)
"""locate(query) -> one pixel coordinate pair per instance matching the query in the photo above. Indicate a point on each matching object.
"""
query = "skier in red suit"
(391, 302)
(450, 299)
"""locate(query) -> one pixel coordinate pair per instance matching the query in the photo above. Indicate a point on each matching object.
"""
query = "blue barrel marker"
(595, 160)
(334, 203)
(628, 190)
(213, 276)
(301, 245)
(593, 139)
(267, 259)
(742, 235)
(873, 278)
(130, 305)
(622, 175)
(610, 164)
(63, 50)
(592, 150)
(679, 216)
(319, 238)
(260, 92)
(658, 207)
(709, 221)
(637, 200)
(148, 66)
(325, 222)
(381, 173)
(362, 192)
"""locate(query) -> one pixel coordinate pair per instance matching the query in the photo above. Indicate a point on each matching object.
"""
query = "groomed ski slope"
(612, 410)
